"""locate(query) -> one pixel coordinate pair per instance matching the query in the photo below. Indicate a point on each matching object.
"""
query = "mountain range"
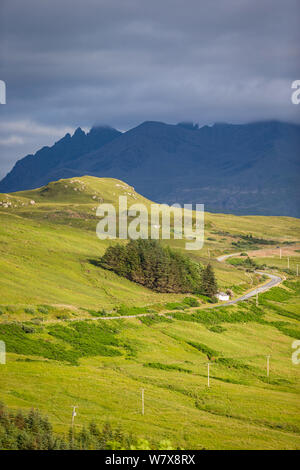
(241, 169)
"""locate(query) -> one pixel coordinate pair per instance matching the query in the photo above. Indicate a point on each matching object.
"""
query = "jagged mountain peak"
(236, 168)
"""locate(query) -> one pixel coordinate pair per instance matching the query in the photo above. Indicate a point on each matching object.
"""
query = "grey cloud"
(68, 63)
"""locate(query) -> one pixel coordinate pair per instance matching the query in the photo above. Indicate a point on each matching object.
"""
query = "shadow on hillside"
(94, 262)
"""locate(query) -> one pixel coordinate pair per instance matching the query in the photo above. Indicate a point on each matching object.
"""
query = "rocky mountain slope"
(240, 169)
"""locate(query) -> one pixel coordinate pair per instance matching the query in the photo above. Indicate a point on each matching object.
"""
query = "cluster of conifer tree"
(32, 431)
(27, 431)
(159, 268)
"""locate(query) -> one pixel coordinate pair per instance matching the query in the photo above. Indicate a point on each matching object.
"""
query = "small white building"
(222, 296)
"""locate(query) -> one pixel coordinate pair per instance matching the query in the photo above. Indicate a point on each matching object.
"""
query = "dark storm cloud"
(69, 63)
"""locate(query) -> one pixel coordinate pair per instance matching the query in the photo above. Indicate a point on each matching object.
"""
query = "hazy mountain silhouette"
(51, 163)
(241, 169)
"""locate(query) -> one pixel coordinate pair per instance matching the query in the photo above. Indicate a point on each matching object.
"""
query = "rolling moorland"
(64, 350)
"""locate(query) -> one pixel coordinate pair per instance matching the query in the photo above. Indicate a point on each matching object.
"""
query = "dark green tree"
(209, 285)
(159, 268)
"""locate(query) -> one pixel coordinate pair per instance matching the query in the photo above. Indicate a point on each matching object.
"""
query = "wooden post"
(73, 414)
(143, 403)
(72, 422)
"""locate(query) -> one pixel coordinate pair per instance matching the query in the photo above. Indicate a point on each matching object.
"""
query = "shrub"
(27, 328)
(154, 319)
(221, 315)
(96, 313)
(43, 309)
(246, 263)
(19, 342)
(11, 309)
(99, 313)
(175, 306)
(30, 311)
(88, 338)
(210, 353)
(230, 292)
(191, 301)
(62, 316)
(37, 320)
(249, 241)
(233, 363)
(217, 329)
(158, 365)
(205, 298)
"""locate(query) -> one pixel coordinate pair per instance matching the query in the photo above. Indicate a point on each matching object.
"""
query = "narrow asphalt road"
(274, 281)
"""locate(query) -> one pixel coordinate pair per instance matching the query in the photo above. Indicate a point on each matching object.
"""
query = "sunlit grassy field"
(48, 277)
(242, 408)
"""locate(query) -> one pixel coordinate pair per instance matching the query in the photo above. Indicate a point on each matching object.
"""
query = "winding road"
(274, 281)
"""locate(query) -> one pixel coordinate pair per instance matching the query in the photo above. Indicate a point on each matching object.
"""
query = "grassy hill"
(48, 277)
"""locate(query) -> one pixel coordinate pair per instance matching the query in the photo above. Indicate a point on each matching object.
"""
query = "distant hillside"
(240, 169)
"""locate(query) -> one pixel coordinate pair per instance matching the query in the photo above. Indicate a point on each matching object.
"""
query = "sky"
(70, 63)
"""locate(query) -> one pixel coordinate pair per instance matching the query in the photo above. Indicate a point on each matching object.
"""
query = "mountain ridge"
(231, 168)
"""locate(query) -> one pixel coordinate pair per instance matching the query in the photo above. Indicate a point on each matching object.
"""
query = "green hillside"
(50, 276)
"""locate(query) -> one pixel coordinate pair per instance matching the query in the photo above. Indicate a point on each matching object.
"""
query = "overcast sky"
(70, 63)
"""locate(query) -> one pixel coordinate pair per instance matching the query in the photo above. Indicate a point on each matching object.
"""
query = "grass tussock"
(168, 367)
